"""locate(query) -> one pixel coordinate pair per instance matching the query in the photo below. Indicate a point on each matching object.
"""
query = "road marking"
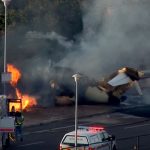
(40, 131)
(51, 130)
(69, 126)
(136, 126)
(35, 143)
(59, 128)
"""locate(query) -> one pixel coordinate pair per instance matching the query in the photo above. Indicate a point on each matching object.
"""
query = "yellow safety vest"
(19, 121)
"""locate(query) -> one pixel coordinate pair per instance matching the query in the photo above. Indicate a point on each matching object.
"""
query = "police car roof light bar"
(92, 128)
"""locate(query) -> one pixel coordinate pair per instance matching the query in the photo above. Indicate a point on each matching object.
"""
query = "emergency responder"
(19, 118)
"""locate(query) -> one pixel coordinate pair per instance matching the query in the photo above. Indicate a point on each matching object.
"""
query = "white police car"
(89, 138)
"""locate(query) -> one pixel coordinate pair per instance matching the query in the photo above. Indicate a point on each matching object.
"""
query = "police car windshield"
(70, 140)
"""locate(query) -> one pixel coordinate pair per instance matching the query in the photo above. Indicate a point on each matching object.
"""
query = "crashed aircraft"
(110, 90)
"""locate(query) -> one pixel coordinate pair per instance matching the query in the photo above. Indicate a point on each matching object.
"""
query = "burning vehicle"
(109, 90)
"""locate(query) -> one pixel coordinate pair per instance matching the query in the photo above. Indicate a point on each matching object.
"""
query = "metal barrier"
(138, 142)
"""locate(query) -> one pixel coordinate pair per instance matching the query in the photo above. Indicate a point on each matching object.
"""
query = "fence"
(139, 142)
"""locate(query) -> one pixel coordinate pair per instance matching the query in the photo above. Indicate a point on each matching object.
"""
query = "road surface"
(126, 128)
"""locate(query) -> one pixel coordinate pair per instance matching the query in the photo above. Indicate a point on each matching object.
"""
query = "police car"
(88, 138)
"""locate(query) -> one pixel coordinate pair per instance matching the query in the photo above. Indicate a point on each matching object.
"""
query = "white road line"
(35, 143)
(40, 131)
(61, 128)
(136, 126)
(48, 130)
(51, 130)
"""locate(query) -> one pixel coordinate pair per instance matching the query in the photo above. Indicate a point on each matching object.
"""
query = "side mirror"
(111, 137)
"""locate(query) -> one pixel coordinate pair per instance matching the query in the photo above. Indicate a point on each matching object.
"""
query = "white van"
(89, 138)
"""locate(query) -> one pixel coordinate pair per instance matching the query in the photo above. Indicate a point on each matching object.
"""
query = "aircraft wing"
(119, 79)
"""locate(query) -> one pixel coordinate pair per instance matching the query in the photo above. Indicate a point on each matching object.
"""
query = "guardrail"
(137, 142)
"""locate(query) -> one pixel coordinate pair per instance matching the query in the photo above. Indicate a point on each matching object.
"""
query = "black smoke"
(94, 37)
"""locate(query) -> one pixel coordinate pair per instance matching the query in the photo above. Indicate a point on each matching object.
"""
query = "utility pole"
(76, 78)
(6, 77)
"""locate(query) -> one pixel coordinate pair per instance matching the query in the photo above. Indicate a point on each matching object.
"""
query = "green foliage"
(62, 16)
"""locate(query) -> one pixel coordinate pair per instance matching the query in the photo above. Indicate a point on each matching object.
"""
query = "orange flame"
(15, 74)
(27, 101)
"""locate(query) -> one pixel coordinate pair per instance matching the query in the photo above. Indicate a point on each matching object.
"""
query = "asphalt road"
(48, 136)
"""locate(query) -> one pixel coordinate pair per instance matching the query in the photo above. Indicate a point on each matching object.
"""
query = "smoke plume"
(115, 34)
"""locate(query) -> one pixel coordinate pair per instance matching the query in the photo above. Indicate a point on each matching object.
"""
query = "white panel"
(120, 79)
(7, 124)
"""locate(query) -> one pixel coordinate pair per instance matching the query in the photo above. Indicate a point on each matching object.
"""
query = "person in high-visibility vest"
(19, 119)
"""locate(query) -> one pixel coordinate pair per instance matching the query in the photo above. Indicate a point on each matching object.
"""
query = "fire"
(15, 74)
(17, 106)
(27, 101)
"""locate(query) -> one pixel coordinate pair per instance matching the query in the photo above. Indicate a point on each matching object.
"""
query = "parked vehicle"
(89, 138)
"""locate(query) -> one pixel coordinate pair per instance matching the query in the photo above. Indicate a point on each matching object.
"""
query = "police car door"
(108, 140)
(95, 142)
(105, 142)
